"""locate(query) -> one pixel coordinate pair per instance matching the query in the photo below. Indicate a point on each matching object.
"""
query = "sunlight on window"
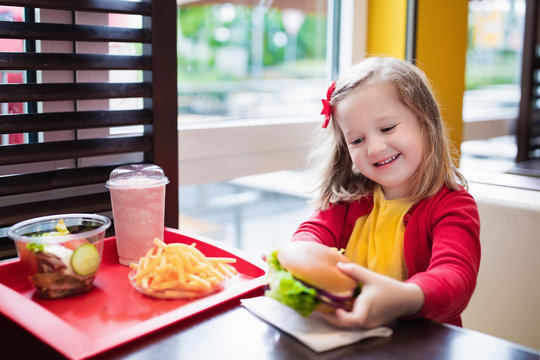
(249, 62)
(12, 13)
(238, 61)
(125, 76)
(492, 95)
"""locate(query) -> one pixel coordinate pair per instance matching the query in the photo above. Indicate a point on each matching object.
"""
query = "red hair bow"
(327, 108)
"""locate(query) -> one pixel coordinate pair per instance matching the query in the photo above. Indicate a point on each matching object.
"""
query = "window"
(12, 13)
(251, 79)
(250, 61)
(492, 96)
(244, 71)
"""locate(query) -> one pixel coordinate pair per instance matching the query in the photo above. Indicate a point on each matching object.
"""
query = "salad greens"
(289, 291)
(35, 247)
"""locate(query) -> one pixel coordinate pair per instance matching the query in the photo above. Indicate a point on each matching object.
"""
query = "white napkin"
(313, 331)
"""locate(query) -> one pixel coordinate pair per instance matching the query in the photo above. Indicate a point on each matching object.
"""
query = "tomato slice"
(73, 244)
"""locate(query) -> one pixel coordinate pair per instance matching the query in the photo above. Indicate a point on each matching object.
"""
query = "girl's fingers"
(341, 318)
(355, 318)
(345, 319)
(357, 272)
(332, 319)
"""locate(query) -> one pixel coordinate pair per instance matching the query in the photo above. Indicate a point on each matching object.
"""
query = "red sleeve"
(326, 227)
(450, 278)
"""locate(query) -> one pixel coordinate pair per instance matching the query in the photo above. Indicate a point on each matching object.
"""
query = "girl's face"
(383, 136)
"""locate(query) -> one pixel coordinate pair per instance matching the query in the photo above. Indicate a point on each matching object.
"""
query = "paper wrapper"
(313, 331)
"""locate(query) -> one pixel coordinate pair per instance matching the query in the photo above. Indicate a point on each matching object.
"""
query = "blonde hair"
(339, 181)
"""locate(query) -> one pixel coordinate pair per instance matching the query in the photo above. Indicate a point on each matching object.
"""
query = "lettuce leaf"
(35, 247)
(289, 291)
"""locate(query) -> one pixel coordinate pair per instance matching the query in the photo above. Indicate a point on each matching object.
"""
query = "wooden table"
(230, 331)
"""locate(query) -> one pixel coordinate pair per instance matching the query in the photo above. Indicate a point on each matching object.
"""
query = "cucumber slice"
(85, 259)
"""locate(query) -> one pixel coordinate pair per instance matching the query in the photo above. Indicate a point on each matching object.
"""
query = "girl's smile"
(383, 137)
(387, 161)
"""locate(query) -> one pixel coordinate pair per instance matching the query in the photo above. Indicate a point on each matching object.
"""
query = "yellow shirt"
(377, 238)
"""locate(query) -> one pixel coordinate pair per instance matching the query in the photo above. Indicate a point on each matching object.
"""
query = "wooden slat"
(92, 203)
(21, 123)
(121, 7)
(72, 91)
(67, 32)
(48, 61)
(535, 129)
(49, 180)
(59, 150)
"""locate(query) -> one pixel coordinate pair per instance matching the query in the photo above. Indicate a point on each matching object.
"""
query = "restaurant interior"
(225, 97)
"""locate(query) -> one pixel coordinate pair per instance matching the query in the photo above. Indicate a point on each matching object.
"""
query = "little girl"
(392, 198)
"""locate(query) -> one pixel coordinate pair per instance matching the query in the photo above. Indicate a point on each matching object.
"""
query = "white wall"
(506, 302)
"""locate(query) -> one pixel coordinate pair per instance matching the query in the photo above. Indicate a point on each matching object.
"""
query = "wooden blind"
(528, 132)
(34, 177)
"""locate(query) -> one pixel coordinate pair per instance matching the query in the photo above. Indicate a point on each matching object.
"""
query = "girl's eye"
(387, 129)
(357, 141)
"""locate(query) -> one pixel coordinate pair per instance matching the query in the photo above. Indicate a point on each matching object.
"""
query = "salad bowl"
(60, 254)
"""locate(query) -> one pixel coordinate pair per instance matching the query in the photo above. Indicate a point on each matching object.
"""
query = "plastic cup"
(138, 204)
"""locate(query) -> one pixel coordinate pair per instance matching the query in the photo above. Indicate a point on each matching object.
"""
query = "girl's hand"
(382, 299)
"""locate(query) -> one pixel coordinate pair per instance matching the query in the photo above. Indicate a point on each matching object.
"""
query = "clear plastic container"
(138, 203)
(60, 254)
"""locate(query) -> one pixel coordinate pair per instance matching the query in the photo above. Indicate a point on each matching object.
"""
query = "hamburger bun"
(315, 265)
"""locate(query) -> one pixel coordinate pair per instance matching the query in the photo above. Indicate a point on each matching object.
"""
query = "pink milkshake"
(138, 204)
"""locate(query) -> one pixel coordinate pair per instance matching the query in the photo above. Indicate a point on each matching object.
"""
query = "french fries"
(179, 271)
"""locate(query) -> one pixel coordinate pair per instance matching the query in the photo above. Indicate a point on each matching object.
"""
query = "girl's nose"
(376, 146)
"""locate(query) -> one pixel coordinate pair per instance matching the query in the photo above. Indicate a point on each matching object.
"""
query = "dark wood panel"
(47, 61)
(164, 102)
(7, 248)
(72, 91)
(21, 123)
(92, 203)
(67, 32)
(59, 150)
(122, 7)
(49, 180)
(529, 66)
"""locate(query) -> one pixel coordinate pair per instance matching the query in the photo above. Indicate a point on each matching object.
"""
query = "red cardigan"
(441, 246)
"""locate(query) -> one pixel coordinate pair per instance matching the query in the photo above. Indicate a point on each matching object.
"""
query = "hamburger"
(303, 275)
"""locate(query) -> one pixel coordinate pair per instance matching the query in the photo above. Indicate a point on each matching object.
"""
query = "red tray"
(113, 312)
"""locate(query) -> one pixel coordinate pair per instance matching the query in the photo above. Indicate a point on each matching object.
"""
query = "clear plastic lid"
(137, 175)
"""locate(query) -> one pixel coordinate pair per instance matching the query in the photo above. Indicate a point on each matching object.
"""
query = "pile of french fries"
(179, 270)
